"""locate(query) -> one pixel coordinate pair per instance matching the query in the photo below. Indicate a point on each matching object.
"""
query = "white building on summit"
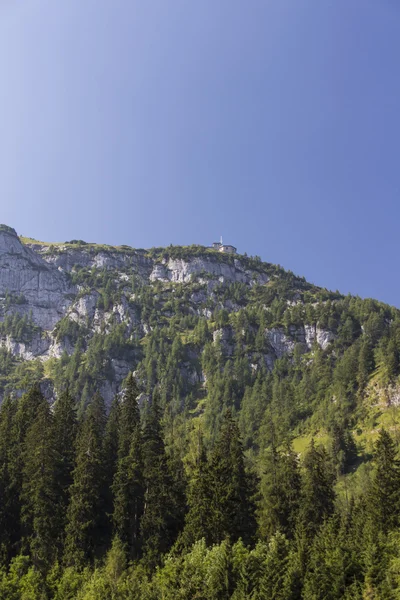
(221, 247)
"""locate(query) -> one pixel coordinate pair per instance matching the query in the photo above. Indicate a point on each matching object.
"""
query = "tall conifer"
(280, 492)
(157, 513)
(110, 450)
(40, 508)
(9, 501)
(232, 508)
(128, 485)
(27, 408)
(317, 496)
(130, 416)
(198, 522)
(385, 493)
(85, 518)
(128, 491)
(65, 430)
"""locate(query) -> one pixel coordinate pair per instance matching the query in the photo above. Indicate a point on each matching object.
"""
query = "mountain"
(86, 315)
(188, 422)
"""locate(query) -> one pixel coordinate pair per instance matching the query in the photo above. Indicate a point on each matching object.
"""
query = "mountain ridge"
(85, 315)
(42, 280)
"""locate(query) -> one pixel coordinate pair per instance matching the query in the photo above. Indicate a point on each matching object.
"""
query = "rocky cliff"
(57, 299)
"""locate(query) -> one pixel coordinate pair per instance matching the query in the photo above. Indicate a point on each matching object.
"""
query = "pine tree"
(85, 518)
(40, 509)
(231, 508)
(385, 493)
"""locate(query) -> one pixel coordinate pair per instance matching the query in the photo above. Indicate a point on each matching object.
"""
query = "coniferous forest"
(237, 460)
(97, 508)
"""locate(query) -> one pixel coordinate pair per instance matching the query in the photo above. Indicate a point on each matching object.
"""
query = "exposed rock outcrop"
(36, 286)
(36, 280)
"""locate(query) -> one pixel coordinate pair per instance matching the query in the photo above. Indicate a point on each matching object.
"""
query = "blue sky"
(275, 123)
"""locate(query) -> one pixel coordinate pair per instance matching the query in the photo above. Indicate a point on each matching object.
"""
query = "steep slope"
(32, 284)
(78, 291)
(209, 329)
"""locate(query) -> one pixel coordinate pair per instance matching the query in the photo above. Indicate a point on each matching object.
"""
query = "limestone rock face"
(36, 348)
(313, 333)
(36, 281)
(279, 342)
(283, 343)
(67, 258)
(183, 271)
(159, 272)
(84, 308)
(39, 287)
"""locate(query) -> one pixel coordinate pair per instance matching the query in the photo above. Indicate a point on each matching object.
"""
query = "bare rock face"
(160, 273)
(36, 286)
(84, 308)
(313, 333)
(67, 258)
(36, 348)
(184, 270)
(283, 343)
(35, 280)
(279, 342)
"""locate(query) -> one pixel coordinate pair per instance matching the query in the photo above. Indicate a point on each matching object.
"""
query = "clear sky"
(275, 123)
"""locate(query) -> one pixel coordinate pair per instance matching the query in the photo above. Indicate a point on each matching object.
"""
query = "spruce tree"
(40, 509)
(198, 523)
(9, 500)
(65, 430)
(317, 496)
(157, 515)
(273, 583)
(128, 484)
(27, 408)
(128, 489)
(85, 517)
(28, 405)
(130, 416)
(110, 451)
(280, 493)
(326, 571)
(232, 510)
(365, 364)
(343, 450)
(385, 493)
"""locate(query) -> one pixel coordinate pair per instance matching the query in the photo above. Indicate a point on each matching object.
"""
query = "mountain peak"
(8, 229)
